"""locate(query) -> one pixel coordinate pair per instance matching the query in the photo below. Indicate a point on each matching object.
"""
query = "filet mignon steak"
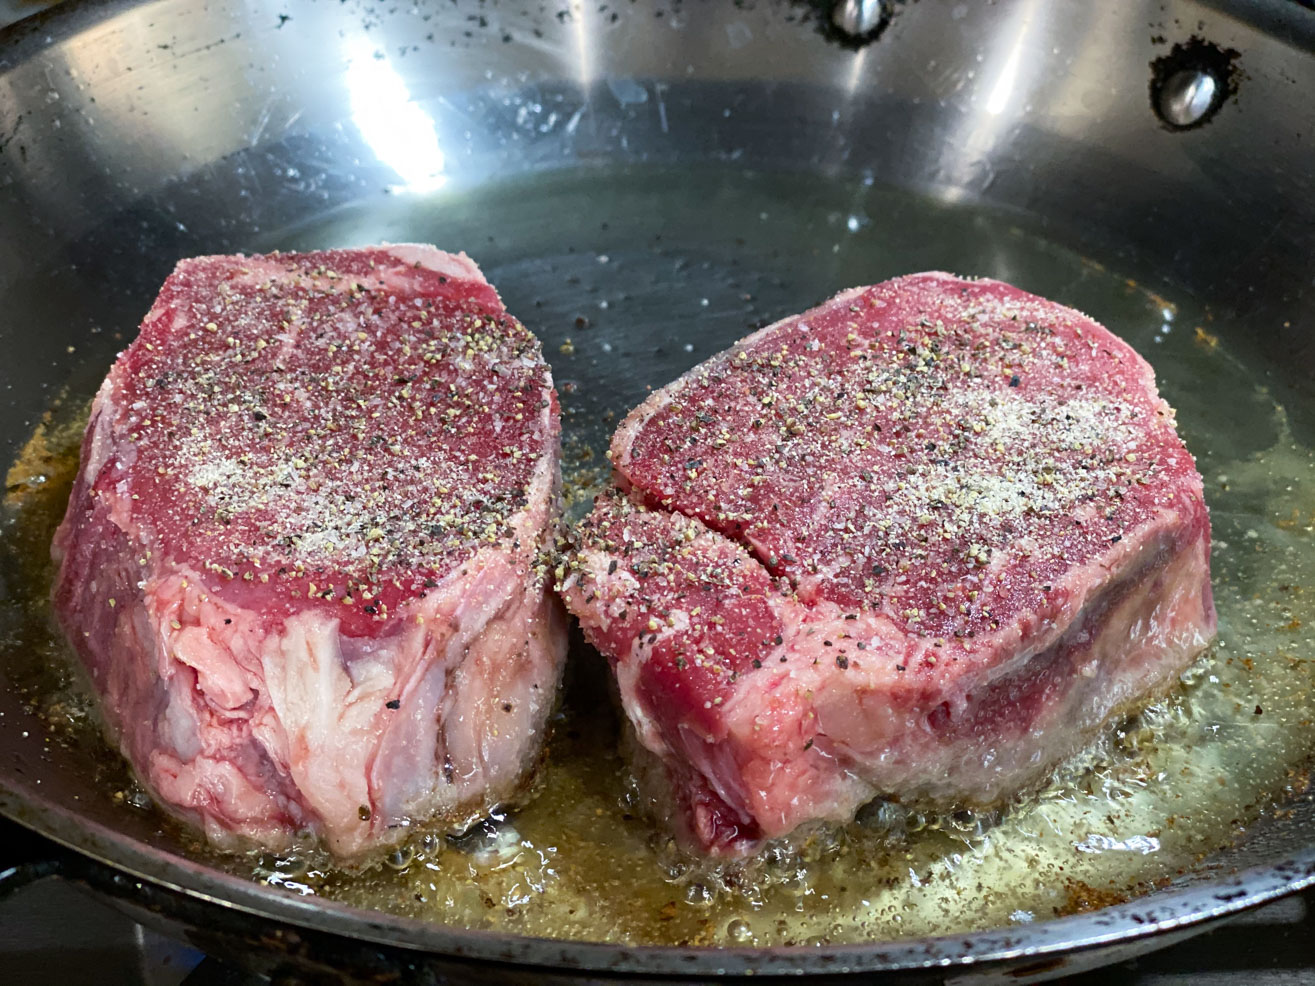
(921, 541)
(303, 558)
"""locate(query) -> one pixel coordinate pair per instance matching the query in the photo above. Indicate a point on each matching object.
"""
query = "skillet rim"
(1155, 914)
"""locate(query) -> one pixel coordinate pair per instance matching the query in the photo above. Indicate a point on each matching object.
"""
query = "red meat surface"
(302, 560)
(922, 541)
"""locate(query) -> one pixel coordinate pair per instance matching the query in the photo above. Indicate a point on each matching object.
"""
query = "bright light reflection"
(998, 100)
(856, 71)
(970, 168)
(583, 43)
(400, 133)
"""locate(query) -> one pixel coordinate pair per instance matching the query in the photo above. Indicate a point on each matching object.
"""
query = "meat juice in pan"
(642, 292)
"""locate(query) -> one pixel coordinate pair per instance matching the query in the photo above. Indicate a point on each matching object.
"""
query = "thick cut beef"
(921, 541)
(302, 559)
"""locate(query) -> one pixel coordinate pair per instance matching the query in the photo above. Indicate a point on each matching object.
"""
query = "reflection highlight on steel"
(401, 134)
(969, 170)
(584, 43)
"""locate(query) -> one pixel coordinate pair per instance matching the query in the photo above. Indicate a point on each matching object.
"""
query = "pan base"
(630, 276)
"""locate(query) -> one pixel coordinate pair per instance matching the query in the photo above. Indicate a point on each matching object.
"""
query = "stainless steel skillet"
(131, 134)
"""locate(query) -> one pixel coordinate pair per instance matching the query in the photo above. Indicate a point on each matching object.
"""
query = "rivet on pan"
(858, 17)
(1187, 96)
(1192, 82)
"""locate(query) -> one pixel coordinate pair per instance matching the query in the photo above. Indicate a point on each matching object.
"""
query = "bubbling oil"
(1157, 794)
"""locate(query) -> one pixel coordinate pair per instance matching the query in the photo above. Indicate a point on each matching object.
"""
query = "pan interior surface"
(631, 267)
(627, 285)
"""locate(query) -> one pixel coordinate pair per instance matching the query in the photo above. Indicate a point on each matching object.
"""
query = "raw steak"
(302, 559)
(919, 542)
